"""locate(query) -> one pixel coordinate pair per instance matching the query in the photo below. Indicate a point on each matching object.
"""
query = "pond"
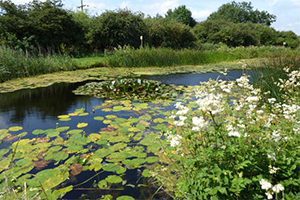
(41, 111)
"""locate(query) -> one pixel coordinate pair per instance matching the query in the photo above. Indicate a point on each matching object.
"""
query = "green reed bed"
(16, 64)
(275, 69)
(167, 57)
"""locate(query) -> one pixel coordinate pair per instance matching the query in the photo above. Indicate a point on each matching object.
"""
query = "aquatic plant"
(129, 88)
(45, 165)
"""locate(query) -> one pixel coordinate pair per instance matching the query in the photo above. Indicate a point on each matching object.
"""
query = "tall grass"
(16, 64)
(167, 57)
(273, 70)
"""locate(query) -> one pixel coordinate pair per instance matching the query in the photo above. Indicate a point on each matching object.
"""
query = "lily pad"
(114, 179)
(38, 132)
(82, 125)
(15, 128)
(125, 197)
(103, 184)
(147, 173)
(63, 116)
(99, 118)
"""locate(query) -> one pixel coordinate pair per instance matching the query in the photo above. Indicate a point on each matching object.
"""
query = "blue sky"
(287, 11)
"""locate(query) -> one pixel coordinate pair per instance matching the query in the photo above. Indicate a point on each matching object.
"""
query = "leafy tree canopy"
(183, 15)
(117, 28)
(242, 12)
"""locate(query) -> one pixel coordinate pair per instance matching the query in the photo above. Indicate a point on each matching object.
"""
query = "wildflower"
(271, 100)
(210, 103)
(252, 99)
(269, 195)
(199, 123)
(265, 185)
(181, 121)
(174, 140)
(183, 111)
(276, 136)
(234, 134)
(273, 169)
(278, 188)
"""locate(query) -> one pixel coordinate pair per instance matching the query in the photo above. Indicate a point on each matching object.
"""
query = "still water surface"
(39, 108)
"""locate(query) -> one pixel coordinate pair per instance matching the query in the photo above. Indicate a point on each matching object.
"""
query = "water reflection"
(42, 104)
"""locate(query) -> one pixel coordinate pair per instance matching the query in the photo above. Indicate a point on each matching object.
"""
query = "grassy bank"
(104, 73)
(168, 57)
(16, 64)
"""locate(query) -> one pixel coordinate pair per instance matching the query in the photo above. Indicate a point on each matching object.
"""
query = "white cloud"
(124, 4)
(160, 7)
(296, 2)
(201, 14)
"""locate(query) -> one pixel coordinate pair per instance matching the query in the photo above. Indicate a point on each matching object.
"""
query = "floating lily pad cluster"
(129, 88)
(49, 162)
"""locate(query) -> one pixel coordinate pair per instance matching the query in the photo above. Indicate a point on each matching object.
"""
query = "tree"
(117, 28)
(289, 38)
(182, 15)
(242, 12)
(49, 27)
(169, 33)
(235, 34)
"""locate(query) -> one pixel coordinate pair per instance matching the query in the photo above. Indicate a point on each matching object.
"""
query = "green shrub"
(168, 33)
(226, 144)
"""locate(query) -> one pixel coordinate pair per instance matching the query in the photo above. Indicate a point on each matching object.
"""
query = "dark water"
(196, 78)
(39, 108)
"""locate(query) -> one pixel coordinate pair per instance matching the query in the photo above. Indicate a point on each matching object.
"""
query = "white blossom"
(277, 188)
(174, 140)
(273, 170)
(265, 185)
(199, 123)
(269, 195)
(234, 134)
(276, 136)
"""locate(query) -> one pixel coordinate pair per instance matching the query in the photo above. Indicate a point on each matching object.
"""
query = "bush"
(227, 144)
(235, 34)
(169, 33)
(117, 28)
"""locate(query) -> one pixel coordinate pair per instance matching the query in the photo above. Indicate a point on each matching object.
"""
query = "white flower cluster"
(210, 102)
(199, 123)
(175, 140)
(180, 114)
(232, 132)
(292, 82)
(270, 189)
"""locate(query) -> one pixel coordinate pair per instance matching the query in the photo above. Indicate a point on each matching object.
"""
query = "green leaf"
(15, 128)
(82, 125)
(125, 197)
(114, 179)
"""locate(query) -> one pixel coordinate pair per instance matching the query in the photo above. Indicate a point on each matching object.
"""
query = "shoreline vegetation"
(105, 73)
(44, 71)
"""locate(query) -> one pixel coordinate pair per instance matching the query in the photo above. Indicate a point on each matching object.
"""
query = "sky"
(287, 11)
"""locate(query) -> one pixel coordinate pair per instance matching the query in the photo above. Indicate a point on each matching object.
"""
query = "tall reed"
(160, 57)
(16, 64)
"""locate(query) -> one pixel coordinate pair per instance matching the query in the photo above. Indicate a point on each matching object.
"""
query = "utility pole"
(82, 6)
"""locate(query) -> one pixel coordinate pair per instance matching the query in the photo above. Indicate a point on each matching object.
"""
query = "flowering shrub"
(226, 143)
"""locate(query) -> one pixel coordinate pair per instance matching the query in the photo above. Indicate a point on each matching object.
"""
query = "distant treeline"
(47, 28)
